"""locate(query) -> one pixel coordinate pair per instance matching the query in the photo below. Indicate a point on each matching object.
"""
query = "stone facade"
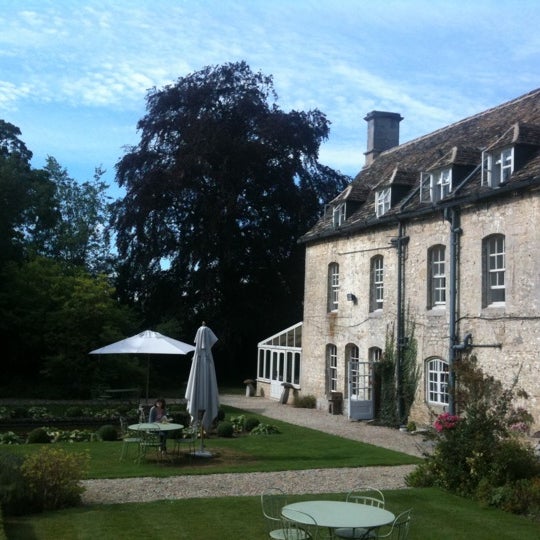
(505, 335)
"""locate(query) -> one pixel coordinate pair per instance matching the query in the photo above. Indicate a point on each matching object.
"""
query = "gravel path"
(295, 482)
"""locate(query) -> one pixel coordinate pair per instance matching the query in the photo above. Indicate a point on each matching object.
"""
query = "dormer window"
(436, 185)
(497, 166)
(339, 214)
(382, 201)
(442, 184)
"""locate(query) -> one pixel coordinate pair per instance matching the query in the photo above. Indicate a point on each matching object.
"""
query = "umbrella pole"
(147, 377)
(202, 452)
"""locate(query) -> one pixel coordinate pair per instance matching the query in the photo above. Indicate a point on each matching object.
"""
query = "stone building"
(442, 232)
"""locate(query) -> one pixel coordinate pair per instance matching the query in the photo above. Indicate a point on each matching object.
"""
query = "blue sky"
(74, 74)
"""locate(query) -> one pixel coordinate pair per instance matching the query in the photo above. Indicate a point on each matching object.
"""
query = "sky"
(74, 74)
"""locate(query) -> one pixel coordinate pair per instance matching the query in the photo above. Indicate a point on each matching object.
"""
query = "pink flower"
(445, 421)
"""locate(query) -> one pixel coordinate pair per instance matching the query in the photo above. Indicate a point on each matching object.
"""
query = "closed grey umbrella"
(202, 393)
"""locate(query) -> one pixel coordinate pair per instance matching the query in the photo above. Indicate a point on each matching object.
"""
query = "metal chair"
(299, 526)
(127, 440)
(400, 527)
(187, 437)
(150, 440)
(272, 501)
(361, 495)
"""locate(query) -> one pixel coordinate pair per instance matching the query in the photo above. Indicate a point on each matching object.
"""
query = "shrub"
(107, 433)
(53, 477)
(73, 412)
(38, 436)
(38, 413)
(221, 414)
(252, 422)
(238, 423)
(477, 454)
(181, 417)
(225, 429)
(14, 497)
(19, 412)
(305, 402)
(10, 438)
(265, 429)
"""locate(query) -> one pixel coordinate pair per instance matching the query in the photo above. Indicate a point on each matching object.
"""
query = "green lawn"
(436, 516)
(247, 453)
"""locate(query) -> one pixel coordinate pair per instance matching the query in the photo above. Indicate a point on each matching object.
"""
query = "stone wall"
(515, 326)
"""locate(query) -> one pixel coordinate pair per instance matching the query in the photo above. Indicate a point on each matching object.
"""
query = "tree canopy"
(55, 306)
(218, 190)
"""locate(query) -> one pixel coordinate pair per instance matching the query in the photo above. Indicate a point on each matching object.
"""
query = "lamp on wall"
(351, 297)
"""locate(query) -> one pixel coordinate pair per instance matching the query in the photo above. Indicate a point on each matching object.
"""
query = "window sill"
(496, 307)
(437, 311)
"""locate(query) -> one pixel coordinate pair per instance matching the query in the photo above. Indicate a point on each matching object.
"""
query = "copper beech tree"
(219, 188)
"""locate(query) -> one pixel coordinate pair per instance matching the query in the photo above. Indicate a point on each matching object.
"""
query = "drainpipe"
(400, 243)
(453, 217)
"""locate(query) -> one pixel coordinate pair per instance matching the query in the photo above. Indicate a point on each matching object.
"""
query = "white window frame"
(332, 367)
(333, 287)
(437, 276)
(382, 201)
(437, 382)
(441, 184)
(498, 166)
(339, 214)
(376, 283)
(374, 354)
(494, 270)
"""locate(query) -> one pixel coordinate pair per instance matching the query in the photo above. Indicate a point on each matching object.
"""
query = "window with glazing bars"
(436, 276)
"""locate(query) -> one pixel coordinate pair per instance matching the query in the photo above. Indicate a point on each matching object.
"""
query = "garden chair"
(272, 501)
(128, 439)
(187, 437)
(299, 526)
(150, 441)
(361, 495)
(400, 528)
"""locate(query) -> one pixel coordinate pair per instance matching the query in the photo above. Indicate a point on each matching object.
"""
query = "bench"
(121, 393)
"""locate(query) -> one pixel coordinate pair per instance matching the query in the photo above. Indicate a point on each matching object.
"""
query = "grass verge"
(436, 516)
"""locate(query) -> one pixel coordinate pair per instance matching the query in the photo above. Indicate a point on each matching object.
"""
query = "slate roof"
(459, 144)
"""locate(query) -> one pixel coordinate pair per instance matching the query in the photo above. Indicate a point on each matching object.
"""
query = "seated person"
(159, 414)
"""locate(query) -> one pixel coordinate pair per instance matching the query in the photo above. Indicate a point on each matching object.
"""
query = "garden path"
(294, 482)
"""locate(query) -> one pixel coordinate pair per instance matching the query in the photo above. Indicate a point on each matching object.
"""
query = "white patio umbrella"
(202, 391)
(147, 342)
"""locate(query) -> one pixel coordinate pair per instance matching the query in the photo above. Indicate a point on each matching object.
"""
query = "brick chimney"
(383, 133)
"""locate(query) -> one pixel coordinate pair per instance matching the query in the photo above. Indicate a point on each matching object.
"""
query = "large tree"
(79, 236)
(26, 196)
(218, 190)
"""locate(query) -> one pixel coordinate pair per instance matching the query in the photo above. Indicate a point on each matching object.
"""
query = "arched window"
(493, 270)
(333, 287)
(437, 381)
(374, 354)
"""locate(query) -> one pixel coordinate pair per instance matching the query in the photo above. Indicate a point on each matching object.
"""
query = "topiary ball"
(225, 429)
(252, 422)
(38, 436)
(73, 412)
(107, 433)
